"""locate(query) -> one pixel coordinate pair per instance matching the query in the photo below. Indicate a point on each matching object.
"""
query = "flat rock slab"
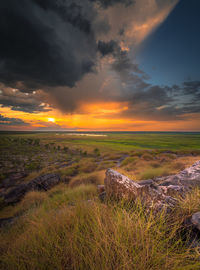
(7, 221)
(190, 177)
(42, 183)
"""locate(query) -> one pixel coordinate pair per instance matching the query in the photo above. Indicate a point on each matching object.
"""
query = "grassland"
(68, 227)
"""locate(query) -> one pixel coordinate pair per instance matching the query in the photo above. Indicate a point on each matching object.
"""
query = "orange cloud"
(104, 108)
(97, 118)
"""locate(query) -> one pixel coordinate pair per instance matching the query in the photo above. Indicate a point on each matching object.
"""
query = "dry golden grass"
(91, 235)
(129, 174)
(95, 178)
(87, 165)
(131, 161)
(69, 228)
(150, 173)
(147, 169)
(31, 201)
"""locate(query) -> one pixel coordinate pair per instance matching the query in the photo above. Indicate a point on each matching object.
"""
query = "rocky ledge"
(156, 193)
(42, 183)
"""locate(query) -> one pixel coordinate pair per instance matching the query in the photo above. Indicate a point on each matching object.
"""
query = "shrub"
(90, 178)
(87, 166)
(106, 164)
(84, 153)
(178, 166)
(112, 156)
(69, 171)
(137, 154)
(128, 160)
(35, 165)
(31, 200)
(150, 173)
(46, 146)
(96, 152)
(147, 156)
(36, 142)
(195, 152)
(155, 164)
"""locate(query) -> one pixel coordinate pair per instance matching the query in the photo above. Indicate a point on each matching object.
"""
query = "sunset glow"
(125, 73)
(51, 120)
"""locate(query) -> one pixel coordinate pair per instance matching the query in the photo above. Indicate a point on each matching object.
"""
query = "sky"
(103, 65)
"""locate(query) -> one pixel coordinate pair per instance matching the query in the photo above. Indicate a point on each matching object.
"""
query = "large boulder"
(42, 183)
(119, 186)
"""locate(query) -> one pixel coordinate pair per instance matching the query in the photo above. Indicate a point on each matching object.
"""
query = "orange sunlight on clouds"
(97, 117)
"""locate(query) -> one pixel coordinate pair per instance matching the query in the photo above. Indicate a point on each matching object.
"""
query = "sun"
(51, 120)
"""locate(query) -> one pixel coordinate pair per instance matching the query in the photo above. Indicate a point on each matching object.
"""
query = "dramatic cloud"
(192, 87)
(72, 53)
(49, 43)
(46, 43)
(106, 48)
(108, 3)
(11, 121)
(164, 103)
(55, 42)
(19, 101)
(136, 22)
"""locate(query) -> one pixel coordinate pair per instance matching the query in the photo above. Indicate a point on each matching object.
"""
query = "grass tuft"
(91, 235)
(95, 178)
(150, 173)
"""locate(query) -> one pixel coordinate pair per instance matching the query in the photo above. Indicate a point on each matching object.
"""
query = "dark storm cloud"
(61, 47)
(123, 65)
(154, 95)
(164, 103)
(11, 121)
(122, 62)
(49, 42)
(18, 101)
(109, 3)
(191, 87)
(46, 43)
(106, 48)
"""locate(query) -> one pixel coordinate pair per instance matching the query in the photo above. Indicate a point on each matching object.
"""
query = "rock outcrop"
(195, 220)
(118, 186)
(156, 193)
(188, 178)
(42, 183)
(12, 180)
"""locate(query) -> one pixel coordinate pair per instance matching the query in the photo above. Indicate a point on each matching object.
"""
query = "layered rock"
(158, 193)
(119, 186)
(188, 178)
(42, 183)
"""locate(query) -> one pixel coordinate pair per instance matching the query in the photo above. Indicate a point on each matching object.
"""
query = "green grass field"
(119, 141)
